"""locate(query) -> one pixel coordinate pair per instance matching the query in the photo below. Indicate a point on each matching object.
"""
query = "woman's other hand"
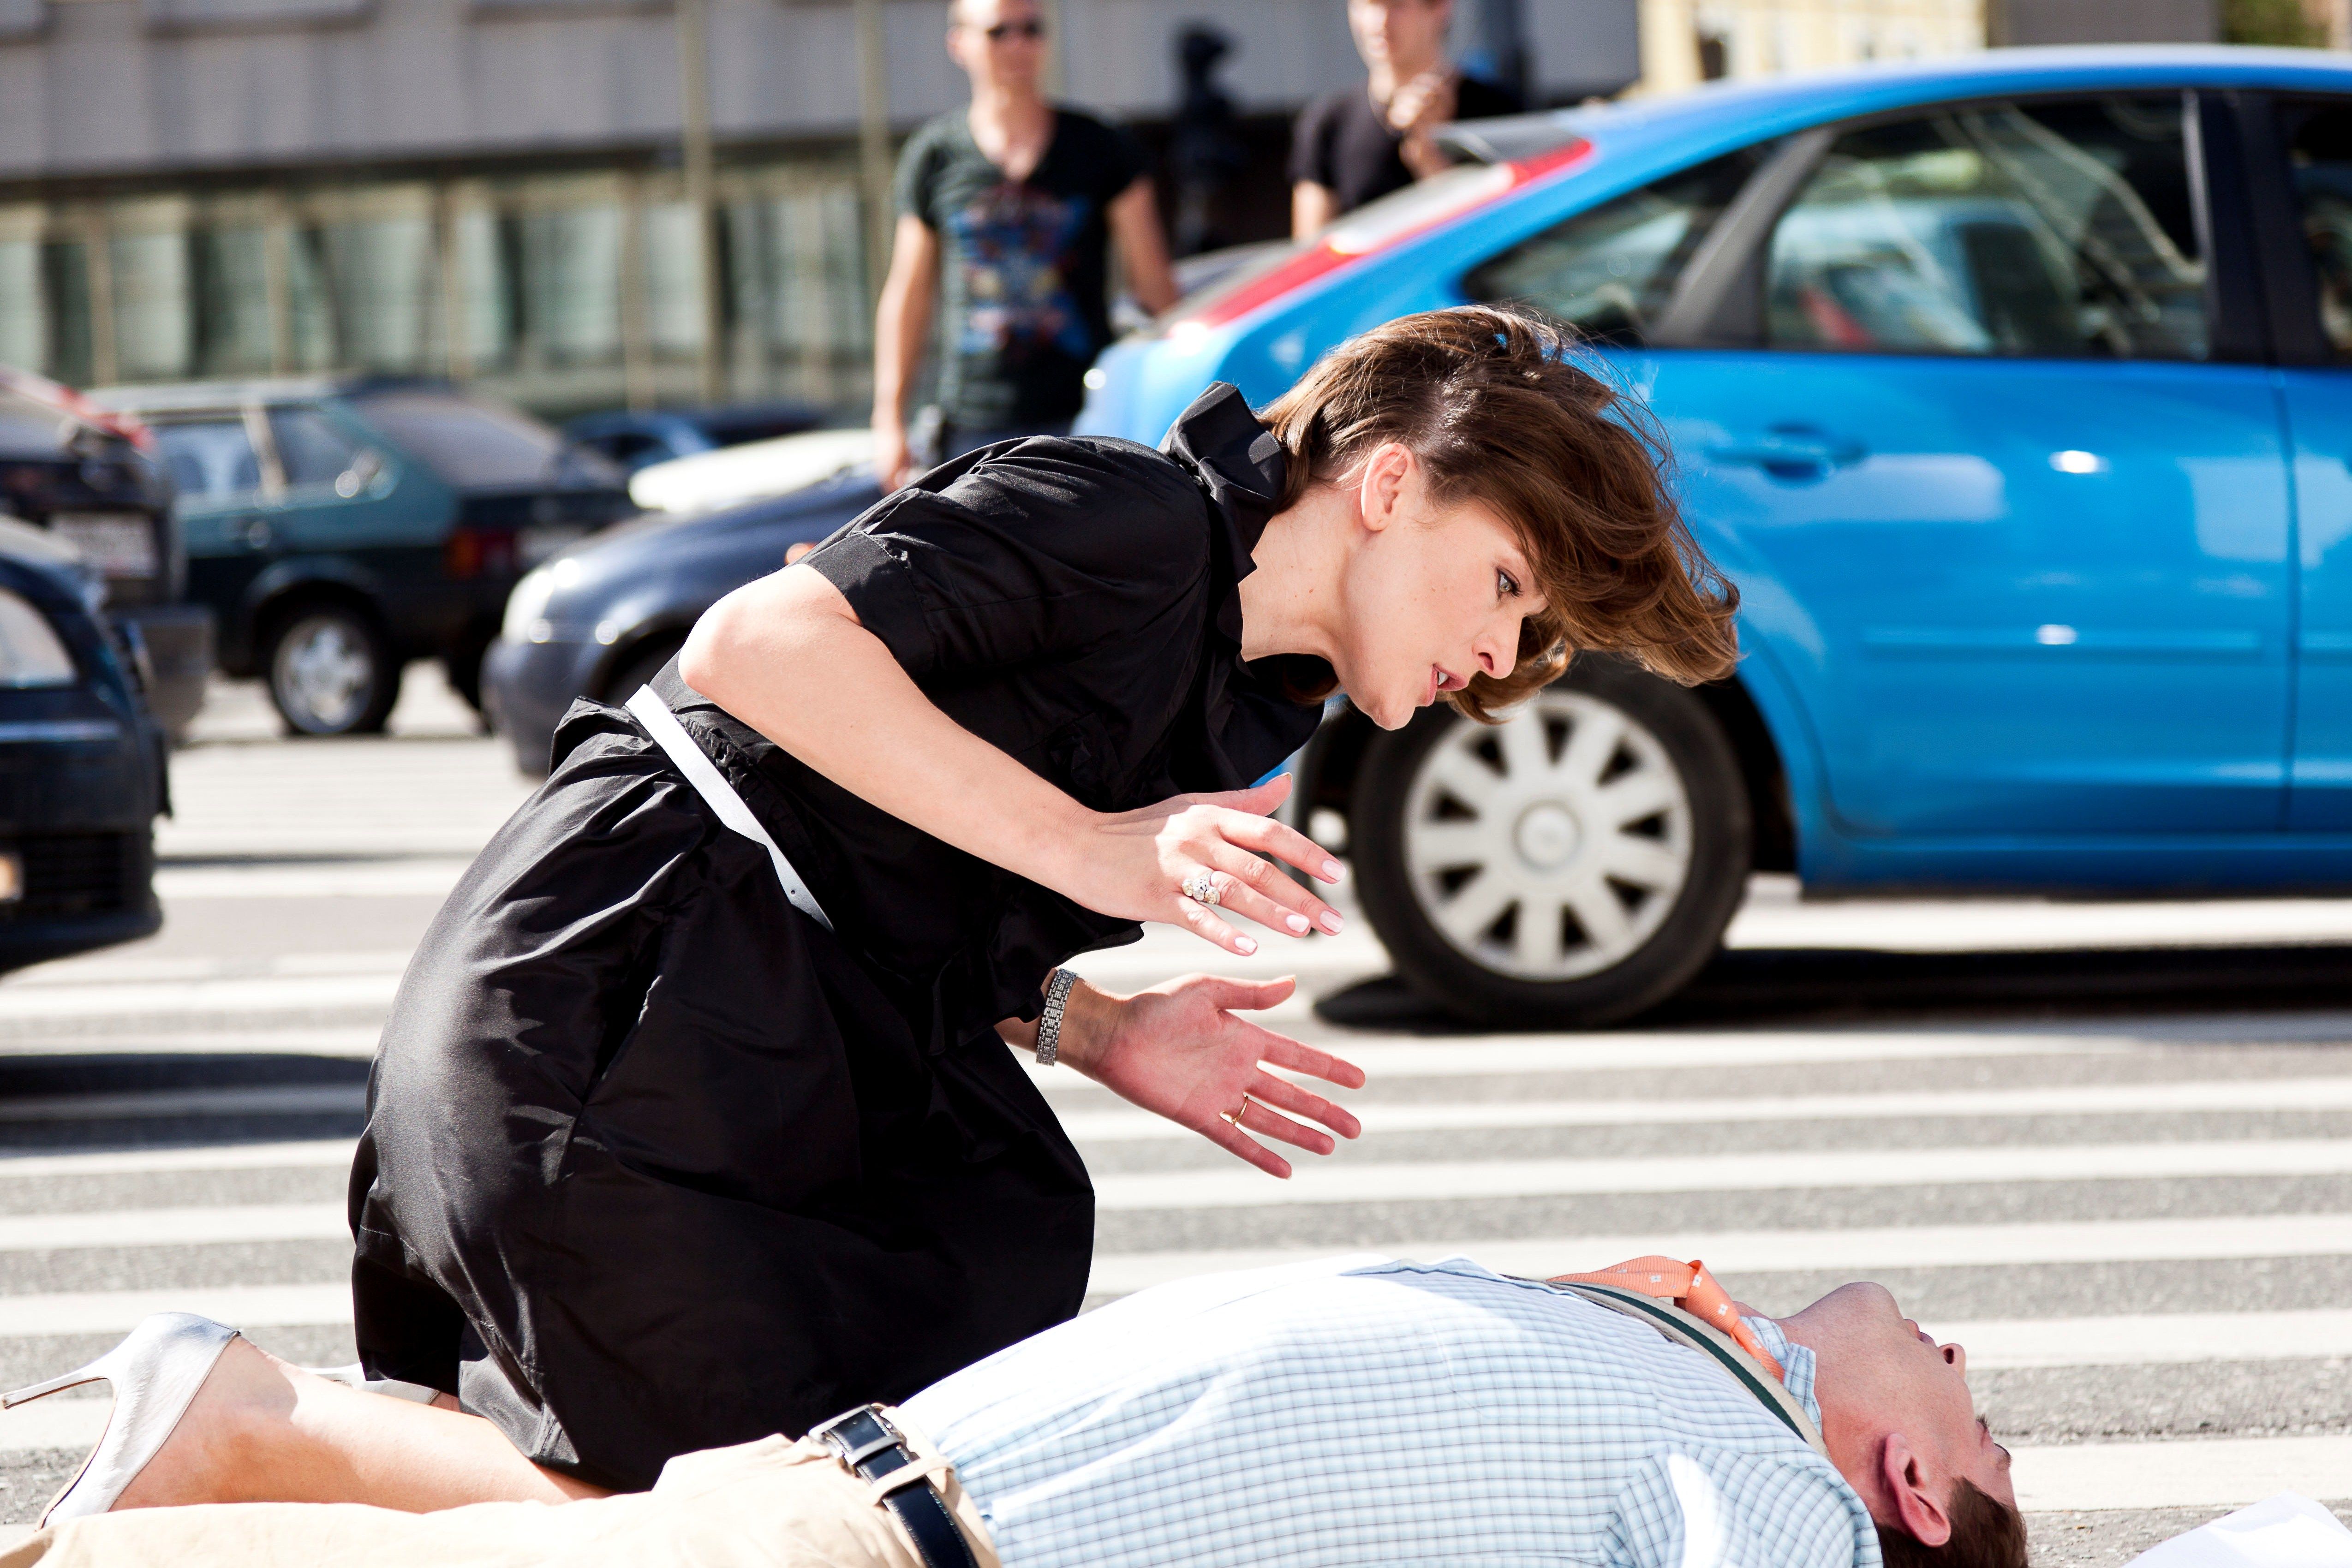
(1180, 1051)
(1137, 863)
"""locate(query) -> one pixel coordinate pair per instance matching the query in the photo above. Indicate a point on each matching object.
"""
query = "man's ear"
(1922, 1517)
(1381, 489)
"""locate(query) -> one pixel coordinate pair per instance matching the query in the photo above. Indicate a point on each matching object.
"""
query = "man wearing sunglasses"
(1005, 214)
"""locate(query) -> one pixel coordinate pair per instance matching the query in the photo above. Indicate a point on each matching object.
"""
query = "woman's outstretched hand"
(1179, 1050)
(1136, 864)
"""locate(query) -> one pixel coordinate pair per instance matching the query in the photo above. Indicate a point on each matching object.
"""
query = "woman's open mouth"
(1441, 679)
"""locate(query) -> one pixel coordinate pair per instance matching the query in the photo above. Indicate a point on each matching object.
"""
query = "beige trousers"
(769, 1504)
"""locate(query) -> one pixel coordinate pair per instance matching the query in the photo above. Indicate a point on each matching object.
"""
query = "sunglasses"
(1003, 30)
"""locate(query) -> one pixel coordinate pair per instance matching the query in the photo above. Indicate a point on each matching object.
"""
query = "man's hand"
(1420, 106)
(1179, 1051)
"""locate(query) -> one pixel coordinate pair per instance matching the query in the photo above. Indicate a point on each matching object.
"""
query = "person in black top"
(1360, 143)
(694, 1121)
(1006, 211)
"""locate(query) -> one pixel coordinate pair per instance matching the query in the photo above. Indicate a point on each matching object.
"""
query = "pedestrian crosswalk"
(2064, 1129)
(2141, 1229)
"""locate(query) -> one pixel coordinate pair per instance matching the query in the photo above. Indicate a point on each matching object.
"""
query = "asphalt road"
(2108, 1147)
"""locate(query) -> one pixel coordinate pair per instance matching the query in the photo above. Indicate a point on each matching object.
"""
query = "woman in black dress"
(695, 1119)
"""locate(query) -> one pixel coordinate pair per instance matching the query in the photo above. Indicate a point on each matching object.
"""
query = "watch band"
(865, 1441)
(1049, 1022)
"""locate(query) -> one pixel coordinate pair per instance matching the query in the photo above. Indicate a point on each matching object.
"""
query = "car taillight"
(1411, 211)
(478, 552)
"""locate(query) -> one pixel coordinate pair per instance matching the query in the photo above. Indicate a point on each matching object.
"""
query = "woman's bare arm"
(787, 655)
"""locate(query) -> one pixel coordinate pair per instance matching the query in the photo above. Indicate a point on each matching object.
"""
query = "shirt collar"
(1238, 465)
(1798, 1367)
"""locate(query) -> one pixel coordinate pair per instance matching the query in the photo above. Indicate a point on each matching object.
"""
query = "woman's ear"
(1920, 1515)
(1380, 490)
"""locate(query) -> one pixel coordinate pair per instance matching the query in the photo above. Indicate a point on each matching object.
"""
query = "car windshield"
(479, 445)
(27, 427)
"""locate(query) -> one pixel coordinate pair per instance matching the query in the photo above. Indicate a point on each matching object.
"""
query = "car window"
(2321, 152)
(470, 444)
(313, 450)
(1610, 269)
(2053, 229)
(210, 460)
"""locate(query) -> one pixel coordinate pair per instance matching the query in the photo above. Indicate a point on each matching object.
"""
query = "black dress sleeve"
(1022, 552)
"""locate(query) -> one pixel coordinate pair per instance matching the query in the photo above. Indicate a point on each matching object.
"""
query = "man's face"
(1408, 36)
(998, 42)
(1880, 1372)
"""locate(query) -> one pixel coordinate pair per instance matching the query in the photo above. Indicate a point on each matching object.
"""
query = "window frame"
(1719, 302)
(2290, 287)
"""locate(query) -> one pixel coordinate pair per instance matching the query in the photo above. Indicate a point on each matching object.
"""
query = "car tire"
(330, 670)
(1566, 869)
(640, 666)
(462, 665)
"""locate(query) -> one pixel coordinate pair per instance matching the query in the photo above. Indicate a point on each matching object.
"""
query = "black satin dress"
(653, 1162)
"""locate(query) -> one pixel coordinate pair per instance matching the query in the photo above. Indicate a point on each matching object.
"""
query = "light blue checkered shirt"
(1360, 1410)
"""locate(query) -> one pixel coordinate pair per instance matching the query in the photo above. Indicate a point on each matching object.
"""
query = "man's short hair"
(1986, 1533)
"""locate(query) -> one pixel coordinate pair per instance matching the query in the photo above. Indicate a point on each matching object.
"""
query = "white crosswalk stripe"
(1456, 1179)
(2152, 1217)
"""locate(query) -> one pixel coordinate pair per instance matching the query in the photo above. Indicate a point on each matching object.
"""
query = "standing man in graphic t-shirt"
(1361, 142)
(1006, 211)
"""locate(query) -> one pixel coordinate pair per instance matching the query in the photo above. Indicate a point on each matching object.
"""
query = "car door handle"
(1791, 452)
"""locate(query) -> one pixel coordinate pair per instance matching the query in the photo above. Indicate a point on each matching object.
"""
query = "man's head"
(1000, 43)
(1405, 37)
(1902, 1428)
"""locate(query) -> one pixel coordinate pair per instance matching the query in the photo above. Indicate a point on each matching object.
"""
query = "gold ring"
(1233, 1118)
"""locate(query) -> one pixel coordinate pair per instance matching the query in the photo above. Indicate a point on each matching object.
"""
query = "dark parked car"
(639, 440)
(340, 528)
(602, 618)
(81, 762)
(84, 476)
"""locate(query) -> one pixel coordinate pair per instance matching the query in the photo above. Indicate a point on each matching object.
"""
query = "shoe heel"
(95, 1371)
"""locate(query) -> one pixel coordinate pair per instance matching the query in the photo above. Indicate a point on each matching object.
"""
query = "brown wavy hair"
(1496, 407)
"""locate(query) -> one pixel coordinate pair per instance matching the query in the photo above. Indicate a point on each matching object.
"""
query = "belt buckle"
(856, 1435)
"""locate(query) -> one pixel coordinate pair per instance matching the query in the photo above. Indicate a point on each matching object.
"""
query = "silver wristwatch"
(1049, 1022)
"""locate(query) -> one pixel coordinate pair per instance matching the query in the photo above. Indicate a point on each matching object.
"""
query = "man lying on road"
(1351, 1411)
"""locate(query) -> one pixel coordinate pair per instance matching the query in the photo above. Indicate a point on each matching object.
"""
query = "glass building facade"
(563, 291)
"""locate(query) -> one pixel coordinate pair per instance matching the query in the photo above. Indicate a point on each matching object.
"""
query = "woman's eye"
(1504, 586)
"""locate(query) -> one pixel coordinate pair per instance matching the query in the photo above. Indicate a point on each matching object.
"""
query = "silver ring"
(1201, 888)
(1233, 1118)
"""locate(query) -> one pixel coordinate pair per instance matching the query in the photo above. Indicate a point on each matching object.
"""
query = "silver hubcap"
(1551, 847)
(324, 673)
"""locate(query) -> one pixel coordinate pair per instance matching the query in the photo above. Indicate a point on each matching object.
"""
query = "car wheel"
(643, 663)
(1566, 869)
(331, 672)
(463, 666)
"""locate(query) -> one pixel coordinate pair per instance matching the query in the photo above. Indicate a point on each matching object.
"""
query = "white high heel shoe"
(156, 1372)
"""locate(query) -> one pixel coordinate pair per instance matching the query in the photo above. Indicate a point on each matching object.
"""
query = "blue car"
(2015, 392)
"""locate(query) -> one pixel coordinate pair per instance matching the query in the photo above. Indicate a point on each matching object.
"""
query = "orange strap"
(1690, 1287)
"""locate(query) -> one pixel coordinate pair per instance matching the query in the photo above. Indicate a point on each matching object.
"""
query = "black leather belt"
(873, 1449)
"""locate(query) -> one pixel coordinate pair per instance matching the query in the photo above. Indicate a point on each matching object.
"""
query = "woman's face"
(1431, 595)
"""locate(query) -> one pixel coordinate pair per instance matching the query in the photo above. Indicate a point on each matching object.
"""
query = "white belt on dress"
(712, 785)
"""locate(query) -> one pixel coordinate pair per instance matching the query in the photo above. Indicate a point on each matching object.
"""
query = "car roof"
(1741, 111)
(168, 398)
